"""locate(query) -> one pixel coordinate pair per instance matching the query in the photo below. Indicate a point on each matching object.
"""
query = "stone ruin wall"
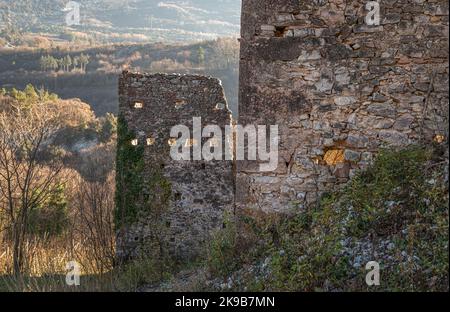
(201, 192)
(338, 89)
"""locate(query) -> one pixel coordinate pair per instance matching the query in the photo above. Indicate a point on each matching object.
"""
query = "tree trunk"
(17, 250)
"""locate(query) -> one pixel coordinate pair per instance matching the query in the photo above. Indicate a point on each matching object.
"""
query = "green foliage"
(27, 97)
(136, 195)
(107, 127)
(393, 200)
(50, 217)
(30, 95)
(11, 34)
(84, 61)
(48, 63)
(141, 272)
(395, 176)
(223, 258)
(129, 180)
(401, 199)
(201, 55)
(240, 242)
(68, 62)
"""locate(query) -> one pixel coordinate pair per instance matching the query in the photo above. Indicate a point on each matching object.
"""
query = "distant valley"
(126, 21)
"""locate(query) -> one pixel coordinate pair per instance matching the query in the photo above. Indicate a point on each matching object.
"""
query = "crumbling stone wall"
(338, 88)
(168, 208)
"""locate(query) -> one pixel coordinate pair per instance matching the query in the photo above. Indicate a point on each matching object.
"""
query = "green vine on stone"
(137, 195)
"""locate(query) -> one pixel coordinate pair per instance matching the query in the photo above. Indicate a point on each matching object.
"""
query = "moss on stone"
(137, 195)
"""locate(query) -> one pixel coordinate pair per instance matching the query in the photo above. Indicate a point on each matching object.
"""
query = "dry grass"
(45, 267)
(45, 270)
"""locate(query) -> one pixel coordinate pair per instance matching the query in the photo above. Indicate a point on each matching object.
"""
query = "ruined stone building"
(167, 207)
(338, 88)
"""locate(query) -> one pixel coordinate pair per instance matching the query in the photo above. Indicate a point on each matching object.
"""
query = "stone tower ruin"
(167, 207)
(338, 88)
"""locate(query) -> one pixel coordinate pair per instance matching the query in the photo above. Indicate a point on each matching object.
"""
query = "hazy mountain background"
(191, 36)
(178, 20)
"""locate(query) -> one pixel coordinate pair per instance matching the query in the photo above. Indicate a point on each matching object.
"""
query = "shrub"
(243, 240)
(50, 217)
(223, 258)
(396, 213)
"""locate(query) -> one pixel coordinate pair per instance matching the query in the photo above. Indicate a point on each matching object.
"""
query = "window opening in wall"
(150, 141)
(439, 138)
(280, 31)
(180, 103)
(334, 156)
(172, 142)
(220, 106)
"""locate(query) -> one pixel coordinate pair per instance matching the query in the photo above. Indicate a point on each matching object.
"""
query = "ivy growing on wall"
(129, 179)
(137, 194)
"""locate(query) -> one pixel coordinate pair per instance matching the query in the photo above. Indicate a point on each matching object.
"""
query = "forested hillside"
(91, 73)
(65, 199)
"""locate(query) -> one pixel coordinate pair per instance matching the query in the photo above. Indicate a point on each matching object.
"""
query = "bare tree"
(226, 53)
(26, 182)
(95, 208)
